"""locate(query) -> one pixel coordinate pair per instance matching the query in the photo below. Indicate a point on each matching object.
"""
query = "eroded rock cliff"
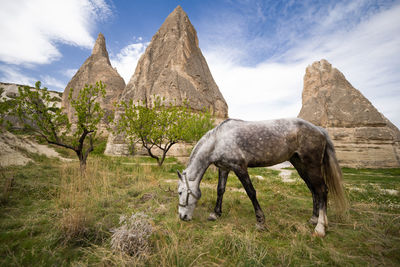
(363, 137)
(173, 68)
(96, 67)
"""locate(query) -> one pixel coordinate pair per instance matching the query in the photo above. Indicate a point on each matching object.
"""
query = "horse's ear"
(179, 175)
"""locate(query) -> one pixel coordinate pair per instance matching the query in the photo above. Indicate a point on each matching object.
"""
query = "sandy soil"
(11, 146)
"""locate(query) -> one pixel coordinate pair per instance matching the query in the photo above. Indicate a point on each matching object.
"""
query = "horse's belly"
(267, 157)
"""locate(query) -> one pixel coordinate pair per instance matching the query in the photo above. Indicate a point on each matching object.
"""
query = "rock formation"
(96, 67)
(363, 137)
(173, 67)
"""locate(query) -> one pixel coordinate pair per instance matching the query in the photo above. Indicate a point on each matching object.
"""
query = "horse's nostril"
(184, 217)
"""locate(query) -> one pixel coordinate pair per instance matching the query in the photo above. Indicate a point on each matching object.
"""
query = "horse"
(236, 145)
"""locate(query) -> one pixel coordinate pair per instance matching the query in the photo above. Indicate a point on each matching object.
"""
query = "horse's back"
(263, 143)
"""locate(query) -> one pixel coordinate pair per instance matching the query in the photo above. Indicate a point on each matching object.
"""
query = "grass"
(53, 216)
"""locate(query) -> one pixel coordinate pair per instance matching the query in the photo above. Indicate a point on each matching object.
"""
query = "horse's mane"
(205, 137)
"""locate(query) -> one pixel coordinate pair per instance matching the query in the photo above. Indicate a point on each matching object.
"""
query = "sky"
(257, 51)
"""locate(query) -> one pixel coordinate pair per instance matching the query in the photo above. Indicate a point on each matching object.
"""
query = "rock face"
(172, 67)
(96, 67)
(363, 137)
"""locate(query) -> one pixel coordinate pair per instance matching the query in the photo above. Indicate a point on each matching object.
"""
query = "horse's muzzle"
(184, 217)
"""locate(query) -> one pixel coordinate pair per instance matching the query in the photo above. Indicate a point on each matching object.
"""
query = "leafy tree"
(161, 126)
(6, 106)
(50, 123)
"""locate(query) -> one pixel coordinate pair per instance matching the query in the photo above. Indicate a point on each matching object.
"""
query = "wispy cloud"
(31, 29)
(13, 74)
(360, 38)
(52, 83)
(69, 73)
(126, 60)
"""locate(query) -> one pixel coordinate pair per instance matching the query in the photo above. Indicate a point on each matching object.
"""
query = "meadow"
(51, 216)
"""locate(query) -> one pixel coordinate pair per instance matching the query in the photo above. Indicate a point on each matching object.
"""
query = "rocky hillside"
(96, 67)
(172, 67)
(363, 137)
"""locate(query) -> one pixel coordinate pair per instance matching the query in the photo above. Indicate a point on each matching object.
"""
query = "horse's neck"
(200, 161)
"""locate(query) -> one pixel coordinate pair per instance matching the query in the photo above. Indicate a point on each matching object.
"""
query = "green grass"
(52, 217)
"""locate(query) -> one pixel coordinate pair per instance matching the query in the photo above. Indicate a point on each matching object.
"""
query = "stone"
(362, 136)
(97, 67)
(174, 68)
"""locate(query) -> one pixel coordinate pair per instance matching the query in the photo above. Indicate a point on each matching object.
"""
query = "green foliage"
(87, 110)
(40, 114)
(6, 106)
(161, 126)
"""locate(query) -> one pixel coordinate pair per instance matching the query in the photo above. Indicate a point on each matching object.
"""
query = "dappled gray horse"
(235, 145)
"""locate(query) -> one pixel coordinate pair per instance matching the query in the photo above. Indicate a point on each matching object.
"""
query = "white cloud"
(367, 52)
(52, 83)
(126, 60)
(266, 91)
(14, 75)
(69, 73)
(30, 29)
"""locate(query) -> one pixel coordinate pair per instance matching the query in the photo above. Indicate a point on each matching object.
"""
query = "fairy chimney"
(96, 68)
(173, 67)
(363, 137)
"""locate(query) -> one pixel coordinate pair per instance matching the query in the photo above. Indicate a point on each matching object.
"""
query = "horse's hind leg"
(300, 167)
(244, 178)
(321, 192)
(222, 178)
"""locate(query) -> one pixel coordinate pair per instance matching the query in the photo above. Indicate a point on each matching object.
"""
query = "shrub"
(132, 237)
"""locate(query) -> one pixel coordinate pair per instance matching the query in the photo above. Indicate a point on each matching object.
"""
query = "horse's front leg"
(222, 178)
(244, 178)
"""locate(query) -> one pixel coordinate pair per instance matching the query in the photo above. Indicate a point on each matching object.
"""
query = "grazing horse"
(235, 145)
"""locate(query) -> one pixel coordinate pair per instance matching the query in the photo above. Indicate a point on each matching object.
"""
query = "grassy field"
(49, 215)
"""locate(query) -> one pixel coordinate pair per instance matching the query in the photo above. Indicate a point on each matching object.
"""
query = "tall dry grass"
(80, 197)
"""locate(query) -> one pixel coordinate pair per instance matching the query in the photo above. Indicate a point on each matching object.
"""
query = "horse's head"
(189, 192)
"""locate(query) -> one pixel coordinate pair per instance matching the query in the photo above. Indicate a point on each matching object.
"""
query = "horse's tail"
(333, 176)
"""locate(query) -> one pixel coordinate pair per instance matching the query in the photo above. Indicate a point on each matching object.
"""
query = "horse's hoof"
(212, 217)
(261, 227)
(313, 220)
(319, 231)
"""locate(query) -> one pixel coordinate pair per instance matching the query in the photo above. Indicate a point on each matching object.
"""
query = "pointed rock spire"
(96, 67)
(99, 48)
(174, 67)
(363, 137)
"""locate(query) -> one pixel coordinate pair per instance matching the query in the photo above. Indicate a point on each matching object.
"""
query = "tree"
(6, 106)
(50, 123)
(161, 126)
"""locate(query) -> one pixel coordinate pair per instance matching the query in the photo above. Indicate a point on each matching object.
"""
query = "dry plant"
(8, 184)
(132, 237)
(80, 197)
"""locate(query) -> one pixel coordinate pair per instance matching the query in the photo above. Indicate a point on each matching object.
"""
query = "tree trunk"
(82, 165)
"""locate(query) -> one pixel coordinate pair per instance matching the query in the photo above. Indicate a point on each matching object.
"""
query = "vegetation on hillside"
(6, 106)
(41, 116)
(161, 126)
(53, 216)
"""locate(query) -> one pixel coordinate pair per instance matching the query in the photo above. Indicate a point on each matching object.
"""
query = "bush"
(132, 237)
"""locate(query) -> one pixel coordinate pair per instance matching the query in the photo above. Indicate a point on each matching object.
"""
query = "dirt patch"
(284, 173)
(11, 147)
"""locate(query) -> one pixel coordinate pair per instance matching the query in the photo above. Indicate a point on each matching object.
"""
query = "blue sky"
(257, 50)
